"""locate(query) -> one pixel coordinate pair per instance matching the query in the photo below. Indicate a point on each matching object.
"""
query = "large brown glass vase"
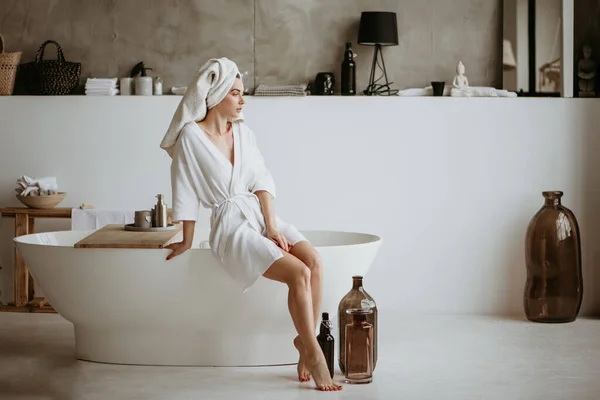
(356, 298)
(554, 288)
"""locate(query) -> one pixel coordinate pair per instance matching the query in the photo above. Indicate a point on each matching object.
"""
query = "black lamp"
(378, 28)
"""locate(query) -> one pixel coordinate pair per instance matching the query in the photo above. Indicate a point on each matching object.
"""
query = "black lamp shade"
(378, 27)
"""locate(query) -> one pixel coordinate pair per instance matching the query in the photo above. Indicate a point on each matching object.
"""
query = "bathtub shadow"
(33, 369)
(34, 390)
(57, 354)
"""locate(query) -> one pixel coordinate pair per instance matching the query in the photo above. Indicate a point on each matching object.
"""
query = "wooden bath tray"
(114, 236)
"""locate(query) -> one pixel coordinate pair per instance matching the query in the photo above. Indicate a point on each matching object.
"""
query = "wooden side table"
(24, 297)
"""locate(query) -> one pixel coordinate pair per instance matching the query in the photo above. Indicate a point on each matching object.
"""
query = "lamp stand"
(375, 89)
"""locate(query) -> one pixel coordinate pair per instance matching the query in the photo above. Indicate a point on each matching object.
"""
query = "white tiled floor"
(420, 357)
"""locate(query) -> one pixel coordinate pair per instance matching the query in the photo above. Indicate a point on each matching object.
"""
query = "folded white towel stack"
(28, 186)
(281, 90)
(101, 87)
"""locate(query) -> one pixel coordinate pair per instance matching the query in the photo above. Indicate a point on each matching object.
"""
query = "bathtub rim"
(370, 239)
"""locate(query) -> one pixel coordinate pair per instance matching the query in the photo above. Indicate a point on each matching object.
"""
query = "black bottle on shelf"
(326, 341)
(348, 72)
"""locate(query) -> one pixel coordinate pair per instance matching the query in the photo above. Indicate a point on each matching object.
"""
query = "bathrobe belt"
(222, 206)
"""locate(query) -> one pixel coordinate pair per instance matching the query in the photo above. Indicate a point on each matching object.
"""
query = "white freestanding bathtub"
(131, 306)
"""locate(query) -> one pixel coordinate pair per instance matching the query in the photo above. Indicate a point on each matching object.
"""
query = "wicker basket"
(50, 77)
(8, 69)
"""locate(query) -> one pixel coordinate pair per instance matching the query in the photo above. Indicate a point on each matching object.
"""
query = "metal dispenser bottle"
(159, 213)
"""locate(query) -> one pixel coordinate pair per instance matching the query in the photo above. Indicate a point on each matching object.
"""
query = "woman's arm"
(188, 233)
(268, 211)
(185, 196)
(186, 243)
(264, 189)
(266, 206)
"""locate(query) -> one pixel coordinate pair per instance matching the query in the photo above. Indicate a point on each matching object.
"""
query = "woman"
(217, 164)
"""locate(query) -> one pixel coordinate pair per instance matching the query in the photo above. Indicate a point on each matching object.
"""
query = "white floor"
(420, 357)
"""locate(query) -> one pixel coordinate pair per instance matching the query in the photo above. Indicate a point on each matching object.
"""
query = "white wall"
(449, 183)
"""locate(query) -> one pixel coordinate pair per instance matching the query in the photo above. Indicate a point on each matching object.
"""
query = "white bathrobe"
(202, 175)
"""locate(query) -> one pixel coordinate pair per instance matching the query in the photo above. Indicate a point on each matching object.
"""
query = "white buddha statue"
(460, 84)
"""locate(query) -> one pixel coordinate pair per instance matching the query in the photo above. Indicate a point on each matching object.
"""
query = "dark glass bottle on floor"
(359, 347)
(357, 297)
(348, 72)
(326, 341)
(554, 287)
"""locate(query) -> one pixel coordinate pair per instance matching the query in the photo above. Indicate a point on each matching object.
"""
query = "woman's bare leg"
(311, 258)
(296, 275)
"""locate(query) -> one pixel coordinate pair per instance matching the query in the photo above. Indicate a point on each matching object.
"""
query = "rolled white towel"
(471, 91)
(481, 91)
(178, 90)
(29, 185)
(47, 183)
(427, 91)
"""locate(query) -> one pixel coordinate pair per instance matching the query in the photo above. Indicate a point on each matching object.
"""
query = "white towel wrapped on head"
(209, 86)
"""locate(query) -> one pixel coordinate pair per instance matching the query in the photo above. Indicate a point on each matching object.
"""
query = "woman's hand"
(186, 243)
(266, 206)
(178, 248)
(278, 239)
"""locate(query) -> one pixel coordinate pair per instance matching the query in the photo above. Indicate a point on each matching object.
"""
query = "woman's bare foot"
(303, 374)
(320, 373)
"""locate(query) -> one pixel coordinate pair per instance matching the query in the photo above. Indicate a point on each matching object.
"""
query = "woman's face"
(231, 106)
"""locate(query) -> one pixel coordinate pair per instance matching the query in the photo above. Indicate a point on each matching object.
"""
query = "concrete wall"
(276, 41)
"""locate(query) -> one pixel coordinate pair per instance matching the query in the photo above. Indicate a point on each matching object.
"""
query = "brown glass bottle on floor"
(357, 297)
(554, 287)
(326, 341)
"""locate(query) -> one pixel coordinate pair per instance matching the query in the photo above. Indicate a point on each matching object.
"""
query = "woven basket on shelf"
(8, 69)
(50, 77)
